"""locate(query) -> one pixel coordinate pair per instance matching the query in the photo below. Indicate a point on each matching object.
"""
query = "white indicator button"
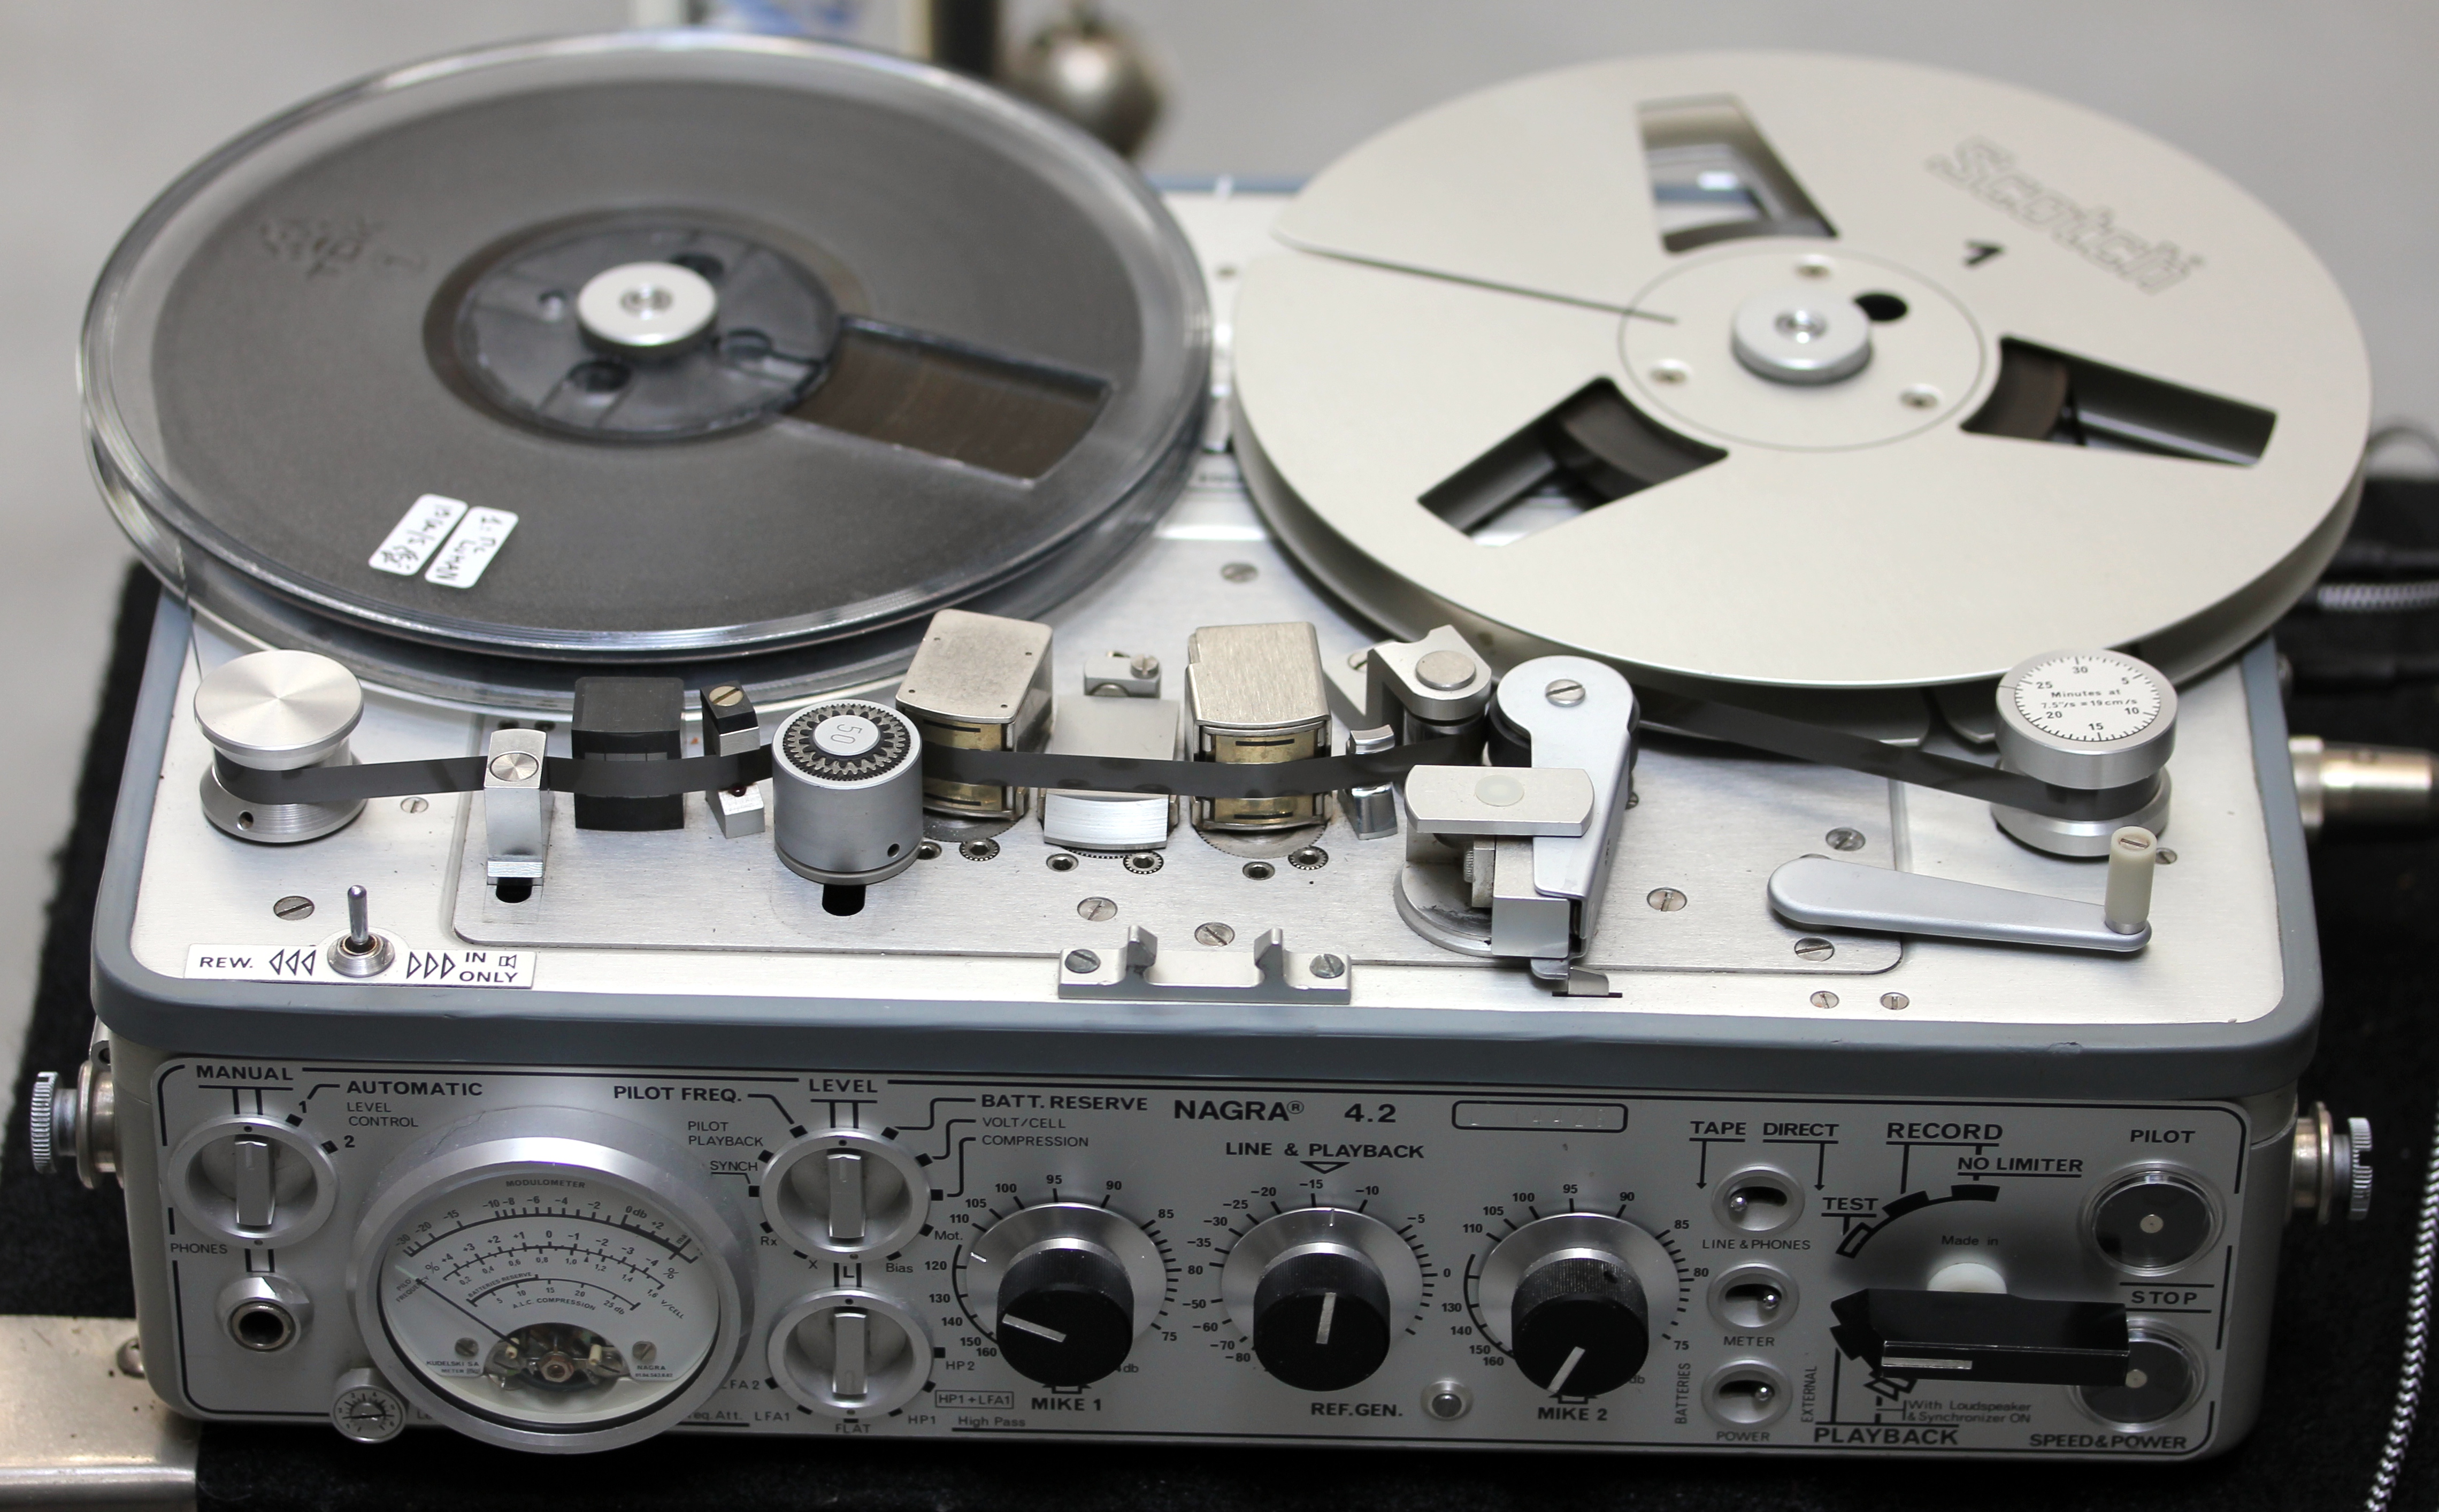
(846, 734)
(1967, 1275)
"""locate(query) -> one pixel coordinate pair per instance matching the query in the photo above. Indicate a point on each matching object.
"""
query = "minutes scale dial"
(549, 1300)
(2092, 698)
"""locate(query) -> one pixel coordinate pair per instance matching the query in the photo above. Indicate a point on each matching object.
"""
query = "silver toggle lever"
(364, 950)
(1841, 895)
(516, 811)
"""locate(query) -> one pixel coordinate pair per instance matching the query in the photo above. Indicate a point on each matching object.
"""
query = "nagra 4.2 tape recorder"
(1610, 782)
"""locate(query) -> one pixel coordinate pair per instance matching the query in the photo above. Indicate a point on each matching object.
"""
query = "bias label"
(413, 967)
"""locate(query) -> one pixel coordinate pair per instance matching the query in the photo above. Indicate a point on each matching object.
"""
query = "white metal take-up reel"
(1513, 861)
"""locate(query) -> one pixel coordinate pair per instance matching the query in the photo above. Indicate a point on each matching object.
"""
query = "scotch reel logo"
(1988, 171)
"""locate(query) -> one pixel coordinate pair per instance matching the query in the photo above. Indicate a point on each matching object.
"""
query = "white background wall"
(2328, 111)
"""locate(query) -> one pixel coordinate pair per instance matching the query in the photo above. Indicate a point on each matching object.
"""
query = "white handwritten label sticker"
(418, 534)
(411, 968)
(477, 538)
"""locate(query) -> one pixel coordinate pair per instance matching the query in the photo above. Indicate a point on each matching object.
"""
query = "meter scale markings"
(540, 1310)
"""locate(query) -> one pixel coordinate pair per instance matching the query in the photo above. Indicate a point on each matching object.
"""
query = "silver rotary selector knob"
(1569, 1298)
(843, 1191)
(849, 1353)
(2095, 720)
(846, 793)
(277, 711)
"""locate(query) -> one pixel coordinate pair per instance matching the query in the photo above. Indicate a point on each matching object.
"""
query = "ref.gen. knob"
(1320, 1290)
(1570, 1297)
(1063, 1288)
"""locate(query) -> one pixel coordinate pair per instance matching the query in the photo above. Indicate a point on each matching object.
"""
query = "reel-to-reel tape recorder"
(743, 823)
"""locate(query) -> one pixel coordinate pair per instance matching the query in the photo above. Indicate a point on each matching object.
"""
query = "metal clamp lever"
(1269, 972)
(1841, 895)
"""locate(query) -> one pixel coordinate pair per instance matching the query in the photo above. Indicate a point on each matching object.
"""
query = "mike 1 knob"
(1568, 1296)
(1063, 1288)
(1321, 1291)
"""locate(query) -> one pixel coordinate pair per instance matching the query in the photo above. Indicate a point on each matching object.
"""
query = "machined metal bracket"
(1441, 680)
(1269, 972)
(516, 805)
(1513, 861)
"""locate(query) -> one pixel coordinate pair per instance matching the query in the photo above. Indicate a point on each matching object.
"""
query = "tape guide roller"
(1609, 782)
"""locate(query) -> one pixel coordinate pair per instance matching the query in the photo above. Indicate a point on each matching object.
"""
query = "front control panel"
(561, 1258)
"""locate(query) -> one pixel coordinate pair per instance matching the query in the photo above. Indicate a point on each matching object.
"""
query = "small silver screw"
(1813, 948)
(414, 805)
(1143, 863)
(1565, 692)
(1144, 666)
(1096, 909)
(1084, 963)
(130, 1358)
(1213, 934)
(467, 1348)
(293, 906)
(1355, 660)
(1920, 396)
(1311, 858)
(1813, 267)
(1329, 966)
(514, 766)
(1843, 838)
(726, 696)
(1260, 871)
(979, 849)
(1825, 1000)
(1060, 860)
(645, 1351)
(2167, 857)
(1670, 374)
(1240, 572)
(1893, 1001)
(927, 850)
(1666, 899)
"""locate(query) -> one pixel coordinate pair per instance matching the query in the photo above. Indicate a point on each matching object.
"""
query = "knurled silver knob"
(277, 711)
(41, 1110)
(2358, 1169)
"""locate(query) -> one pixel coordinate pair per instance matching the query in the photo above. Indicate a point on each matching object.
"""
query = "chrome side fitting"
(2332, 1166)
(2362, 784)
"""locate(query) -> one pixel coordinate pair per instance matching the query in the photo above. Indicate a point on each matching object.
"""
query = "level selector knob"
(1568, 1296)
(1320, 1290)
(1063, 1288)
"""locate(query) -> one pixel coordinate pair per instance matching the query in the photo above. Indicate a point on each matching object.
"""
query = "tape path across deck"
(1196, 780)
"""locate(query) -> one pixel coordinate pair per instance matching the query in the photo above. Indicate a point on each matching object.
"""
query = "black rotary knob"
(1066, 1315)
(1582, 1324)
(1320, 1318)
